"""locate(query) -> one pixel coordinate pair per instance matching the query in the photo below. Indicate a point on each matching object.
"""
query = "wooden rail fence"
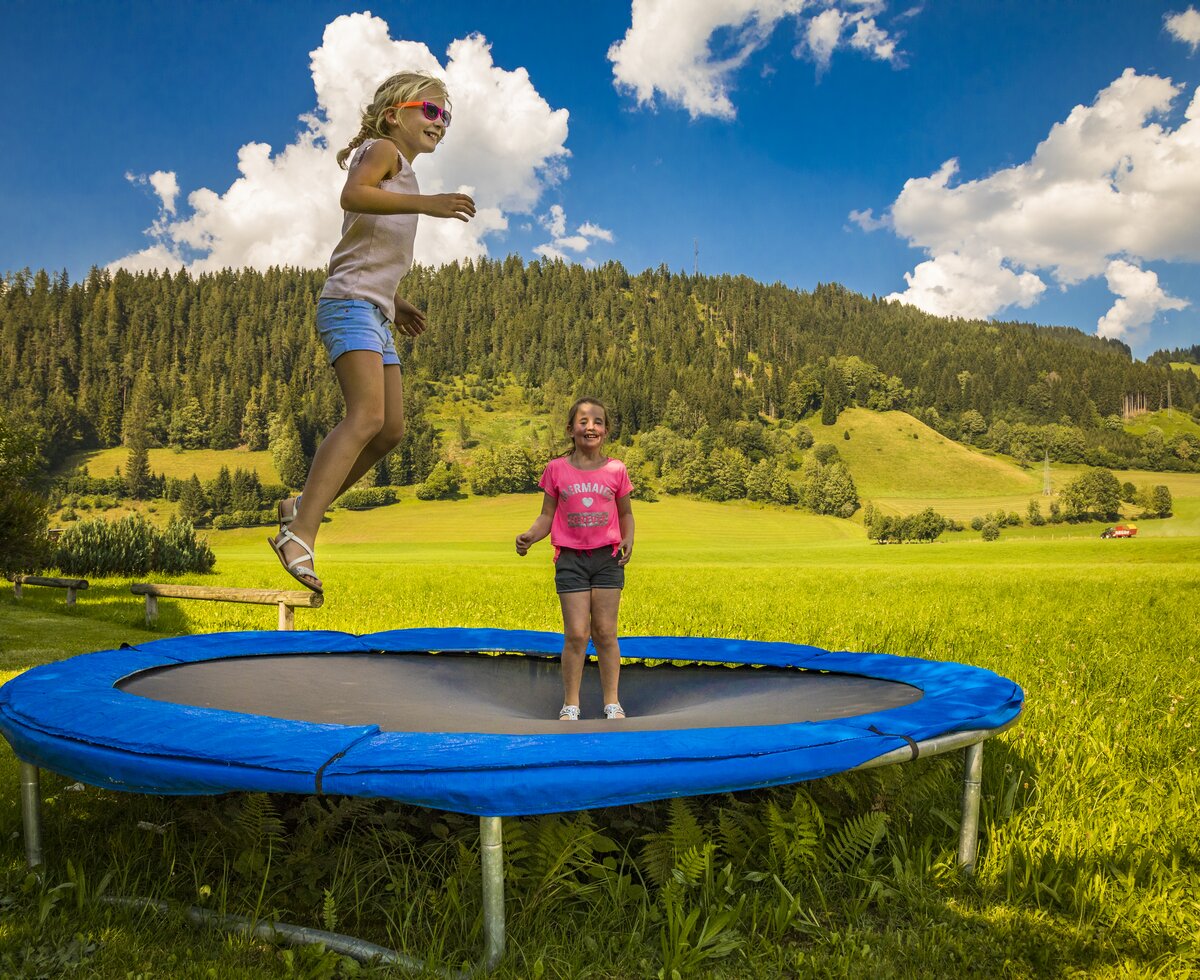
(72, 585)
(286, 601)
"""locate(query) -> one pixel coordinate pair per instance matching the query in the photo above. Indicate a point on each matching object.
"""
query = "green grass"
(1175, 423)
(1186, 366)
(1090, 852)
(887, 461)
(180, 464)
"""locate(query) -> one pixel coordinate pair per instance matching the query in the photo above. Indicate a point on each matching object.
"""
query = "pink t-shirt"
(586, 515)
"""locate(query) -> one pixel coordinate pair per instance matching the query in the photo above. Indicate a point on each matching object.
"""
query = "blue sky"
(800, 142)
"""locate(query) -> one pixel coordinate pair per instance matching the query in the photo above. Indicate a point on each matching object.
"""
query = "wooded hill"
(206, 361)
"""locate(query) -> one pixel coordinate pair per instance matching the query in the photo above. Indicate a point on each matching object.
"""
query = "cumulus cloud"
(1110, 182)
(866, 220)
(595, 231)
(1185, 27)
(688, 51)
(560, 244)
(1140, 299)
(506, 147)
(163, 183)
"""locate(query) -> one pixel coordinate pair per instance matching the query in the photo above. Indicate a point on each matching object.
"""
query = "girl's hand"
(625, 552)
(458, 206)
(409, 320)
(524, 543)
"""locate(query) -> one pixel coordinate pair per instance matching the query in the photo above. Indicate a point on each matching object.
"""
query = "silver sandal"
(296, 567)
(614, 711)
(568, 712)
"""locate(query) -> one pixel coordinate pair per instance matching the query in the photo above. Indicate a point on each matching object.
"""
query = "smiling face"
(588, 426)
(412, 130)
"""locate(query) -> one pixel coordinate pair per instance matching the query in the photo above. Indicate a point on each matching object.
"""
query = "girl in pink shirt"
(586, 512)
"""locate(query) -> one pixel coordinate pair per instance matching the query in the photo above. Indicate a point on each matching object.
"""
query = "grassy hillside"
(1176, 423)
(181, 464)
(897, 461)
(891, 454)
(1185, 366)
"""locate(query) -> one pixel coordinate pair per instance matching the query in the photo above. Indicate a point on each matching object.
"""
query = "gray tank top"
(376, 250)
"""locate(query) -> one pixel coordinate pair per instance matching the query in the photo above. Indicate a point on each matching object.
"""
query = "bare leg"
(577, 616)
(360, 374)
(605, 604)
(389, 436)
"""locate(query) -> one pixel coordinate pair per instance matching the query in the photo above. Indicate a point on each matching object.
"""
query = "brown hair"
(579, 403)
(403, 87)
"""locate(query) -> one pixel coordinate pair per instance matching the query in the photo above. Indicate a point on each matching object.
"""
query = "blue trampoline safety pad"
(71, 717)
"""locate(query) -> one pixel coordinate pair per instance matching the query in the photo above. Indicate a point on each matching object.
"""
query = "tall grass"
(1090, 854)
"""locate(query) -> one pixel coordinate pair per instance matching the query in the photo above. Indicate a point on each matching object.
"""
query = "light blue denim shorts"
(355, 324)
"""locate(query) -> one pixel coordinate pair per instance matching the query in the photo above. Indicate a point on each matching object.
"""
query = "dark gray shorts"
(581, 571)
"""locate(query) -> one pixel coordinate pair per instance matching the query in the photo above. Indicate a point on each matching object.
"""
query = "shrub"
(443, 483)
(364, 498)
(926, 525)
(178, 551)
(511, 469)
(131, 546)
(245, 518)
(23, 530)
(644, 491)
(990, 531)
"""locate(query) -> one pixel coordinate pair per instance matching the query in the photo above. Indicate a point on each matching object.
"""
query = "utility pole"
(1046, 475)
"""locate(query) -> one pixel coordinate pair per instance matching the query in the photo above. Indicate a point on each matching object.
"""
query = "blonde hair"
(402, 87)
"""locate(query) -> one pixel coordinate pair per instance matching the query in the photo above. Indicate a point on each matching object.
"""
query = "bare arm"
(625, 517)
(362, 193)
(540, 527)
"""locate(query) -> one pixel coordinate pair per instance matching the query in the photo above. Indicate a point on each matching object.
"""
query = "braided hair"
(402, 87)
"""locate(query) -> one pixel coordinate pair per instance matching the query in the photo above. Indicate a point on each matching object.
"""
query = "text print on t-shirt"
(586, 518)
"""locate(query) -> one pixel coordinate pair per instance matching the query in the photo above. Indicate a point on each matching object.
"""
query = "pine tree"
(254, 428)
(220, 492)
(286, 452)
(137, 470)
(193, 505)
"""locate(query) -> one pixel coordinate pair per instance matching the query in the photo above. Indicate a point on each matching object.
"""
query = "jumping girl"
(586, 512)
(360, 304)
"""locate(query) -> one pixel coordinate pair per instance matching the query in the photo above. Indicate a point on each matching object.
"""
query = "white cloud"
(961, 284)
(555, 222)
(551, 254)
(823, 33)
(869, 36)
(1185, 27)
(164, 184)
(1109, 181)
(867, 221)
(506, 147)
(595, 231)
(576, 243)
(1141, 298)
(688, 51)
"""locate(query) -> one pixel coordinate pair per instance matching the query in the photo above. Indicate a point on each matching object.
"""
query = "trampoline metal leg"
(968, 835)
(491, 852)
(31, 813)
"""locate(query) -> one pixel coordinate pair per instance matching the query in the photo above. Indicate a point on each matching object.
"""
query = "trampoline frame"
(490, 827)
(491, 854)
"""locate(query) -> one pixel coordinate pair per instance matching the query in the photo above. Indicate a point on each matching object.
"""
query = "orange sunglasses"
(432, 111)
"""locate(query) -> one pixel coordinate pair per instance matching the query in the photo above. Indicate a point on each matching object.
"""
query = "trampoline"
(427, 717)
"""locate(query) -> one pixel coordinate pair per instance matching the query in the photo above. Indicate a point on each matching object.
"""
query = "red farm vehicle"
(1120, 531)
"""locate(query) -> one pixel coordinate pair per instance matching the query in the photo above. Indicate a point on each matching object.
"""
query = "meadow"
(1090, 854)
